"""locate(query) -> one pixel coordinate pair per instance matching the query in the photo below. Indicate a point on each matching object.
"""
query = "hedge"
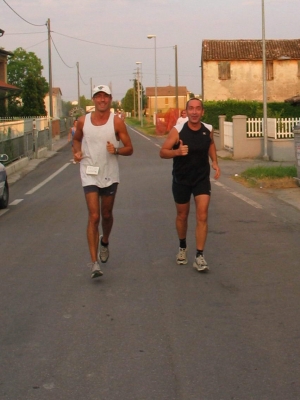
(253, 109)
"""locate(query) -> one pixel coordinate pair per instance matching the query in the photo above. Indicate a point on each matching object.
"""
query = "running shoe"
(181, 257)
(103, 251)
(96, 270)
(200, 264)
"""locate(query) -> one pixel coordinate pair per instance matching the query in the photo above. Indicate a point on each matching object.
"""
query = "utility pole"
(78, 105)
(138, 90)
(134, 80)
(141, 92)
(176, 78)
(50, 71)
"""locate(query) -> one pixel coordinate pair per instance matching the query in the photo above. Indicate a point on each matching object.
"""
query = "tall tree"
(130, 101)
(32, 96)
(24, 70)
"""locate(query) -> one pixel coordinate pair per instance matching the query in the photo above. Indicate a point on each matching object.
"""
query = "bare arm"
(122, 134)
(77, 139)
(70, 135)
(212, 152)
(167, 150)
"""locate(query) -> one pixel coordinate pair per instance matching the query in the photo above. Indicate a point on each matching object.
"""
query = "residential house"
(5, 88)
(233, 69)
(166, 98)
(56, 103)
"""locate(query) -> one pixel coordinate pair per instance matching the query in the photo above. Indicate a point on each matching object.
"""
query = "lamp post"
(141, 92)
(155, 75)
(265, 109)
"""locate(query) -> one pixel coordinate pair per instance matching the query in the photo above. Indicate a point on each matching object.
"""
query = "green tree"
(131, 97)
(24, 67)
(85, 102)
(127, 101)
(32, 96)
(115, 104)
(66, 107)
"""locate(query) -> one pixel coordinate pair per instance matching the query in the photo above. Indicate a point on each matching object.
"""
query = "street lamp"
(140, 92)
(155, 75)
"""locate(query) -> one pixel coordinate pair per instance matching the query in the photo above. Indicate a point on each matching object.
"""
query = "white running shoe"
(181, 257)
(96, 270)
(103, 251)
(200, 264)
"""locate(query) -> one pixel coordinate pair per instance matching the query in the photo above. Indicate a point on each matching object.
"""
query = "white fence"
(228, 135)
(278, 128)
(15, 128)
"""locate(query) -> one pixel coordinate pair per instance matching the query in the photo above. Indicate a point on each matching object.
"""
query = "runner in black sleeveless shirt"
(191, 144)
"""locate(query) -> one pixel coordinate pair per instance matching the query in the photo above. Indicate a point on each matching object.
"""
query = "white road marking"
(145, 137)
(240, 196)
(48, 179)
(15, 202)
(3, 211)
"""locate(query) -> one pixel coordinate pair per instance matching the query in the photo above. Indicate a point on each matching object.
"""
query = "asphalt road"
(148, 329)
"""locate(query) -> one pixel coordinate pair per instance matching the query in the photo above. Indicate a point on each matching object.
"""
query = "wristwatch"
(116, 151)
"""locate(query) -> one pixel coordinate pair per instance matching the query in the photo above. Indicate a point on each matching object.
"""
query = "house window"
(298, 74)
(166, 101)
(224, 70)
(270, 71)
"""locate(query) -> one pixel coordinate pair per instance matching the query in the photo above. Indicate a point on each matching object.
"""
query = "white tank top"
(94, 153)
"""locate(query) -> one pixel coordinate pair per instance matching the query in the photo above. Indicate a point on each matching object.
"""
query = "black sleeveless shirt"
(194, 167)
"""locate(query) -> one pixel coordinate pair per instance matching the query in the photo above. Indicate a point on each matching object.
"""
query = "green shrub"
(253, 109)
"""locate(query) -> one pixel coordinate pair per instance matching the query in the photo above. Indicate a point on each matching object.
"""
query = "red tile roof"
(249, 49)
(7, 86)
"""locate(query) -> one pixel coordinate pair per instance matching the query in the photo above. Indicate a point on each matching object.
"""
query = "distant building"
(56, 103)
(166, 98)
(233, 69)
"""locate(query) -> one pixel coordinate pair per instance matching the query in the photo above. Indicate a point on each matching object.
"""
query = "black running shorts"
(106, 191)
(182, 193)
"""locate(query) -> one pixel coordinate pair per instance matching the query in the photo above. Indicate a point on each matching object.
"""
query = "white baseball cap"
(101, 88)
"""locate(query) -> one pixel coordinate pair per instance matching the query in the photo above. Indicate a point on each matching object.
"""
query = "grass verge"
(281, 177)
(147, 128)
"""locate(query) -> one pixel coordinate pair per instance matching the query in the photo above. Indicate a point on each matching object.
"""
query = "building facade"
(56, 103)
(233, 69)
(166, 98)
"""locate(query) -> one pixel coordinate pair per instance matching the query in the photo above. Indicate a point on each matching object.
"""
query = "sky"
(105, 38)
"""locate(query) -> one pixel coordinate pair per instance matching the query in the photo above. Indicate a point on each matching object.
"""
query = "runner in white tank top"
(96, 147)
(94, 152)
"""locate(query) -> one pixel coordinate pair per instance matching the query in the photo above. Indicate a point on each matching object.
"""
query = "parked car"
(4, 190)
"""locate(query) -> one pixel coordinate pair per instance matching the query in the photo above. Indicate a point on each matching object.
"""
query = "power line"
(36, 44)
(23, 33)
(64, 61)
(60, 55)
(82, 79)
(110, 45)
(22, 17)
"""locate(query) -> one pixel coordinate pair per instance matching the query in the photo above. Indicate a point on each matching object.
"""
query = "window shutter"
(224, 70)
